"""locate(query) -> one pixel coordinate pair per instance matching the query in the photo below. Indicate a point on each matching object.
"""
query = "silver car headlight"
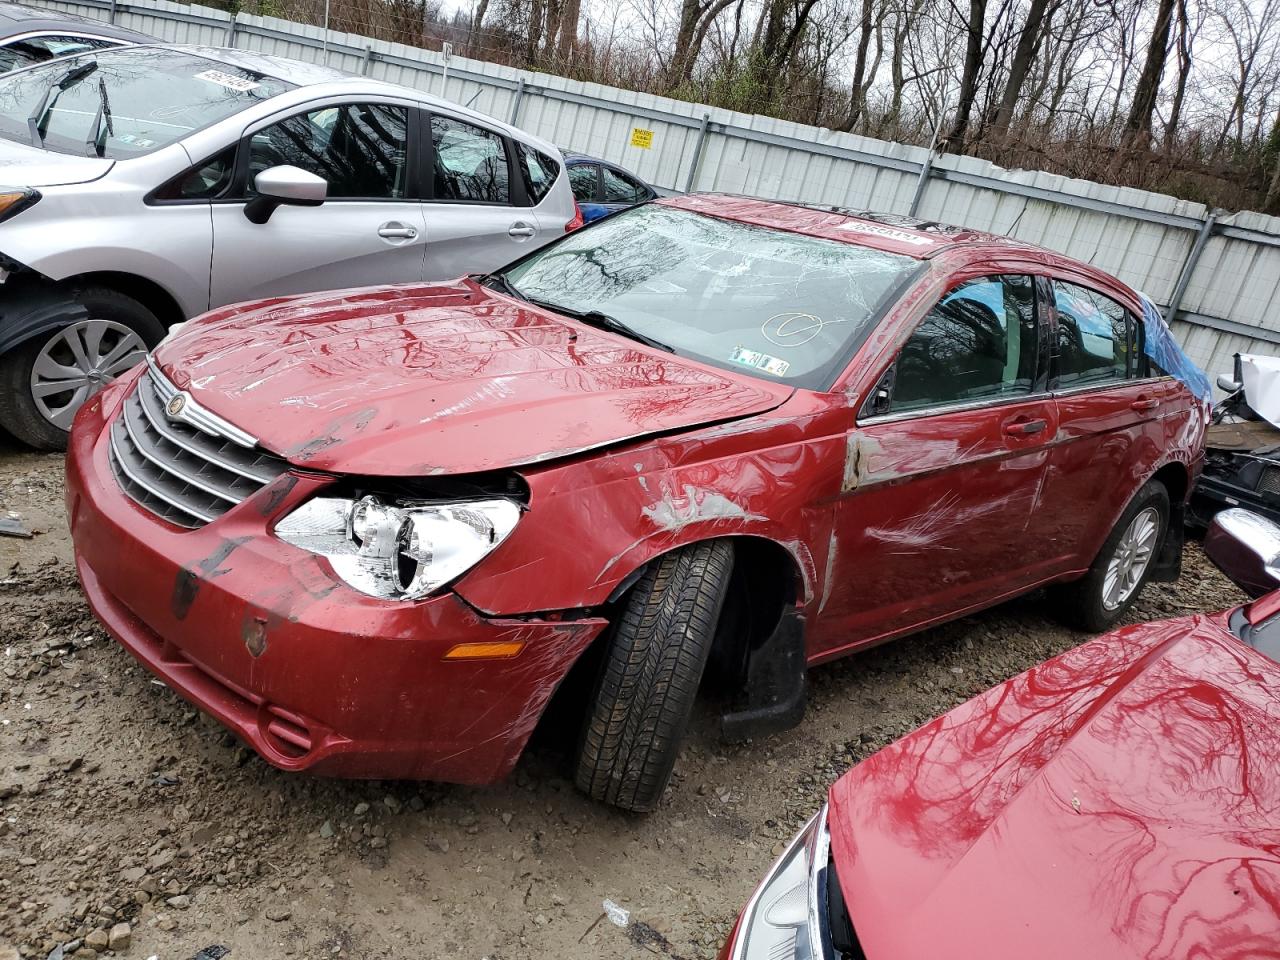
(399, 551)
(784, 920)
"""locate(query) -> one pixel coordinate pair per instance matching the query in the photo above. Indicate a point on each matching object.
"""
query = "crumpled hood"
(1119, 802)
(22, 165)
(420, 380)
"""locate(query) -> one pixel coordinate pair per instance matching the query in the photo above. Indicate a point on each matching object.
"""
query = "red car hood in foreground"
(1120, 801)
(442, 379)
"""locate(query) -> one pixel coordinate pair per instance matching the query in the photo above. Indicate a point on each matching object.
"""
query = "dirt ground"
(119, 803)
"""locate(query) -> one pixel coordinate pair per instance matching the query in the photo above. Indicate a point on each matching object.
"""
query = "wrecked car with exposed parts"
(374, 531)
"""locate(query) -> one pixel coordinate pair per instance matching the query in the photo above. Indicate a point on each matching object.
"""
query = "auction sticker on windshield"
(761, 361)
(227, 80)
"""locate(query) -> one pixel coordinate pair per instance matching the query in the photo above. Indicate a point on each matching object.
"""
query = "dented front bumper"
(311, 674)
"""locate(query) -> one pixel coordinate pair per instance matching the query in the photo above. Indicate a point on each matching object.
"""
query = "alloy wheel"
(1131, 558)
(77, 362)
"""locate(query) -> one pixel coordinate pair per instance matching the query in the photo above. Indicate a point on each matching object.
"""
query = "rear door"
(476, 210)
(944, 470)
(1111, 404)
(368, 231)
(620, 190)
(584, 181)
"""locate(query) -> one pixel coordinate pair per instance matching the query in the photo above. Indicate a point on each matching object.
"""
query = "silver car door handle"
(397, 231)
(521, 230)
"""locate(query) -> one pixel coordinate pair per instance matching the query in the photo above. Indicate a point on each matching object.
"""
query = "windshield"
(136, 100)
(775, 304)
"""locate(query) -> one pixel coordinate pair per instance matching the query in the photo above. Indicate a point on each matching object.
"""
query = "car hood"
(1120, 801)
(422, 380)
(22, 165)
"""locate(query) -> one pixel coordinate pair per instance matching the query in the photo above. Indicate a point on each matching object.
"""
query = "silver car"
(144, 185)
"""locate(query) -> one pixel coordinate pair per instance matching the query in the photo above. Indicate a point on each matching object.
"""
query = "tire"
(115, 321)
(1084, 603)
(649, 677)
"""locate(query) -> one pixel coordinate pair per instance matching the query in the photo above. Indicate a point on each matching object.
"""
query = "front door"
(943, 482)
(368, 231)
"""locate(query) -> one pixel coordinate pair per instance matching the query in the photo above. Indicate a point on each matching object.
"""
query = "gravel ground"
(119, 804)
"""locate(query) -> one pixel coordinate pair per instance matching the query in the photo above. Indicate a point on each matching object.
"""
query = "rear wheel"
(647, 684)
(1098, 600)
(45, 380)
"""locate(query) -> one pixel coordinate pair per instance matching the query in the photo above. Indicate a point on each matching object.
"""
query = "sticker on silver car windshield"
(761, 361)
(230, 81)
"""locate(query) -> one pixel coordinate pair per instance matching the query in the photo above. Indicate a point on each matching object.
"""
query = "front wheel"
(1098, 600)
(645, 690)
(46, 379)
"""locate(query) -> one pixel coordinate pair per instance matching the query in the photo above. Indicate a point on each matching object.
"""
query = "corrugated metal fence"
(1221, 273)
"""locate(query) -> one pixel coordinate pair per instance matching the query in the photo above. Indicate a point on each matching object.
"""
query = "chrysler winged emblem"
(177, 403)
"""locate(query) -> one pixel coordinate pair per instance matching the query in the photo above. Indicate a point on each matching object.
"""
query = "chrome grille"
(188, 471)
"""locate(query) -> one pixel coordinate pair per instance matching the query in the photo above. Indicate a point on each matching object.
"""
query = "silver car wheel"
(77, 362)
(1131, 558)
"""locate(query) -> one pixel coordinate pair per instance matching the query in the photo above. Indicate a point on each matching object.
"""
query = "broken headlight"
(784, 919)
(398, 551)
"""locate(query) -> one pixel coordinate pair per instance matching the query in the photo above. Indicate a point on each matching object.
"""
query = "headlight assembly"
(785, 919)
(399, 551)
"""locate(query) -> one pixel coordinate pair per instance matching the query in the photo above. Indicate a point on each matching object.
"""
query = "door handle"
(521, 231)
(1024, 428)
(395, 230)
(1143, 404)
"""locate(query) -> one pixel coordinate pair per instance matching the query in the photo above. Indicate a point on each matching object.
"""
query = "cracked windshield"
(779, 305)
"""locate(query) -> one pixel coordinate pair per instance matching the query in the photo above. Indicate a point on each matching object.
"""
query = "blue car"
(601, 188)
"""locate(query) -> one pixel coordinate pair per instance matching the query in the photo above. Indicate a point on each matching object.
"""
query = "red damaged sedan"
(1120, 801)
(372, 531)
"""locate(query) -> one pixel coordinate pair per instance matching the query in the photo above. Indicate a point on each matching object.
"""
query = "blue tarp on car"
(1164, 350)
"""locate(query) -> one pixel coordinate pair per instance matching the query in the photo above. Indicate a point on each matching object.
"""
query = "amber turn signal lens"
(485, 651)
(11, 201)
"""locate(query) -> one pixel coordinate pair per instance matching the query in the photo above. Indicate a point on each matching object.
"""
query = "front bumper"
(313, 675)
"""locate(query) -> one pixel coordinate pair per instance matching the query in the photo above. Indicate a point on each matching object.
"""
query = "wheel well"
(147, 292)
(765, 582)
(1175, 479)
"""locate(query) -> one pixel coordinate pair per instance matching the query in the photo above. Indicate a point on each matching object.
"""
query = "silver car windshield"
(124, 102)
(770, 303)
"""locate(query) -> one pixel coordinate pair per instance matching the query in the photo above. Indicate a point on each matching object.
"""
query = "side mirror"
(1227, 385)
(1246, 547)
(284, 186)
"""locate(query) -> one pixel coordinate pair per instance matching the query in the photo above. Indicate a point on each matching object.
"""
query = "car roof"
(302, 74)
(15, 18)
(908, 236)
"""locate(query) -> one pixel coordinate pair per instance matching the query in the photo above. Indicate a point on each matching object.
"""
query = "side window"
(205, 181)
(538, 171)
(470, 163)
(978, 342)
(583, 180)
(1095, 337)
(23, 53)
(619, 188)
(358, 148)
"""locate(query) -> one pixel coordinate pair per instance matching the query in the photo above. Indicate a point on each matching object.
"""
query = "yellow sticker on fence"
(641, 138)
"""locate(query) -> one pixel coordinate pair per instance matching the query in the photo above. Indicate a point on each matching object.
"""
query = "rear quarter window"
(537, 170)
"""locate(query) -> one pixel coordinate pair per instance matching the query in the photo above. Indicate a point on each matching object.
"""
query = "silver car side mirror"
(1246, 547)
(1226, 384)
(284, 185)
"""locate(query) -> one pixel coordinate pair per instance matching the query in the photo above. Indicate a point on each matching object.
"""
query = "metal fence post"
(1189, 266)
(697, 154)
(445, 49)
(515, 104)
(366, 62)
(231, 31)
(111, 14)
(926, 168)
